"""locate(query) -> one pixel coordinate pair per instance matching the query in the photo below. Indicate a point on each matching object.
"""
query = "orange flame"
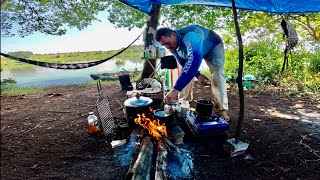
(154, 127)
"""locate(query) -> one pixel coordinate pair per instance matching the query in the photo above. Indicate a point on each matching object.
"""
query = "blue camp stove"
(206, 126)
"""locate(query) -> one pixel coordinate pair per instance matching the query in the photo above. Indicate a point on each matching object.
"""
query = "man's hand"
(170, 96)
(203, 80)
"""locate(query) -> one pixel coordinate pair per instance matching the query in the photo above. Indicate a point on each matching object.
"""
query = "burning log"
(161, 163)
(142, 166)
(153, 126)
(157, 130)
(168, 142)
(176, 134)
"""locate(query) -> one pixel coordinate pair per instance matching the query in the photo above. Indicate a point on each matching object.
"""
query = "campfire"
(154, 127)
(152, 151)
(154, 143)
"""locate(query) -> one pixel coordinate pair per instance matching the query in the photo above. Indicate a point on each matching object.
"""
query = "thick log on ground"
(142, 166)
(161, 163)
(176, 134)
(169, 143)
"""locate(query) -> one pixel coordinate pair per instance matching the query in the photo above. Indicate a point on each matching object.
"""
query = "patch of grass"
(95, 82)
(19, 91)
(285, 90)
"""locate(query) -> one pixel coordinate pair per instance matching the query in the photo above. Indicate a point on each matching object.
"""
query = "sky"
(98, 36)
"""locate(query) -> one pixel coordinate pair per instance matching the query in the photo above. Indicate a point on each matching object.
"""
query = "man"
(189, 46)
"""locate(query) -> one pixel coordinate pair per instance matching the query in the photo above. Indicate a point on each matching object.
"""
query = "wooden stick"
(31, 129)
(142, 166)
(161, 163)
(59, 111)
(171, 144)
(119, 103)
(133, 159)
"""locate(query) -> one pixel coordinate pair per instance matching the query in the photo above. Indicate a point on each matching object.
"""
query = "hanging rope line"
(70, 66)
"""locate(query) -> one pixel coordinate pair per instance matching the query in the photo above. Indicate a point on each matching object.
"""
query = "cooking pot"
(137, 105)
(168, 119)
(204, 107)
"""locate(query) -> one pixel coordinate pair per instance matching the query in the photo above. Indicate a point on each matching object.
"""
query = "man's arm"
(194, 44)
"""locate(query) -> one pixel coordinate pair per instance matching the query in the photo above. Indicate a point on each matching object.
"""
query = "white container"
(160, 52)
(94, 123)
(185, 106)
(170, 109)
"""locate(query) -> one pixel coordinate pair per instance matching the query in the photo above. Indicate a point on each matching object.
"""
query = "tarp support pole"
(240, 71)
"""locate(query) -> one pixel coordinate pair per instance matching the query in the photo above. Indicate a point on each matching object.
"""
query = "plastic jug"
(94, 123)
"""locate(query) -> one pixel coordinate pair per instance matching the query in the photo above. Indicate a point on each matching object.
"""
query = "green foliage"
(264, 60)
(7, 83)
(124, 16)
(314, 65)
(21, 54)
(48, 17)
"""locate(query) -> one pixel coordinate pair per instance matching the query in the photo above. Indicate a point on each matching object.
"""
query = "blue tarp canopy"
(272, 6)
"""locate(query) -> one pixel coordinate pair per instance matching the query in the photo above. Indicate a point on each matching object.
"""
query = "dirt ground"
(45, 136)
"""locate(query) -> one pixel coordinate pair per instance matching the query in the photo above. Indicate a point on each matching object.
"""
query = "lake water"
(41, 76)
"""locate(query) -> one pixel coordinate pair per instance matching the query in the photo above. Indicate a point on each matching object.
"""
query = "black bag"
(141, 84)
(125, 82)
(168, 62)
(291, 36)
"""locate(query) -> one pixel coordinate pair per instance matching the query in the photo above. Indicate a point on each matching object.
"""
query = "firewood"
(142, 166)
(176, 148)
(176, 134)
(161, 163)
(138, 132)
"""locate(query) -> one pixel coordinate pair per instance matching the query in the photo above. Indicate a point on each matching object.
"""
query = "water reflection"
(30, 75)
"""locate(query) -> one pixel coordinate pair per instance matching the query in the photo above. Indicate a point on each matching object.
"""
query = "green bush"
(264, 60)
(7, 83)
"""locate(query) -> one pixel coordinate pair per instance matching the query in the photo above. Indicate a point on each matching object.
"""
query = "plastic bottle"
(153, 52)
(150, 51)
(94, 123)
(146, 53)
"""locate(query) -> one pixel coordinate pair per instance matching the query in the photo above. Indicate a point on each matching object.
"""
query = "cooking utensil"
(163, 80)
(163, 117)
(136, 106)
(204, 107)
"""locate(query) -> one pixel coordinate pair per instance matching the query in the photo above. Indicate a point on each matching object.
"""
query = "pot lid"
(151, 90)
(138, 102)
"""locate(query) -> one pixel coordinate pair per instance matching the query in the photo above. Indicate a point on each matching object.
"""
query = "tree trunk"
(152, 22)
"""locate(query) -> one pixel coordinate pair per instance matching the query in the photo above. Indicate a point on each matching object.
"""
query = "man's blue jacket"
(194, 43)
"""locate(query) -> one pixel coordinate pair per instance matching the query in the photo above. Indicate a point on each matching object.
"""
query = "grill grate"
(104, 112)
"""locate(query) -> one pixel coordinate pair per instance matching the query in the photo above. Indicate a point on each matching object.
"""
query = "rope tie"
(69, 66)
